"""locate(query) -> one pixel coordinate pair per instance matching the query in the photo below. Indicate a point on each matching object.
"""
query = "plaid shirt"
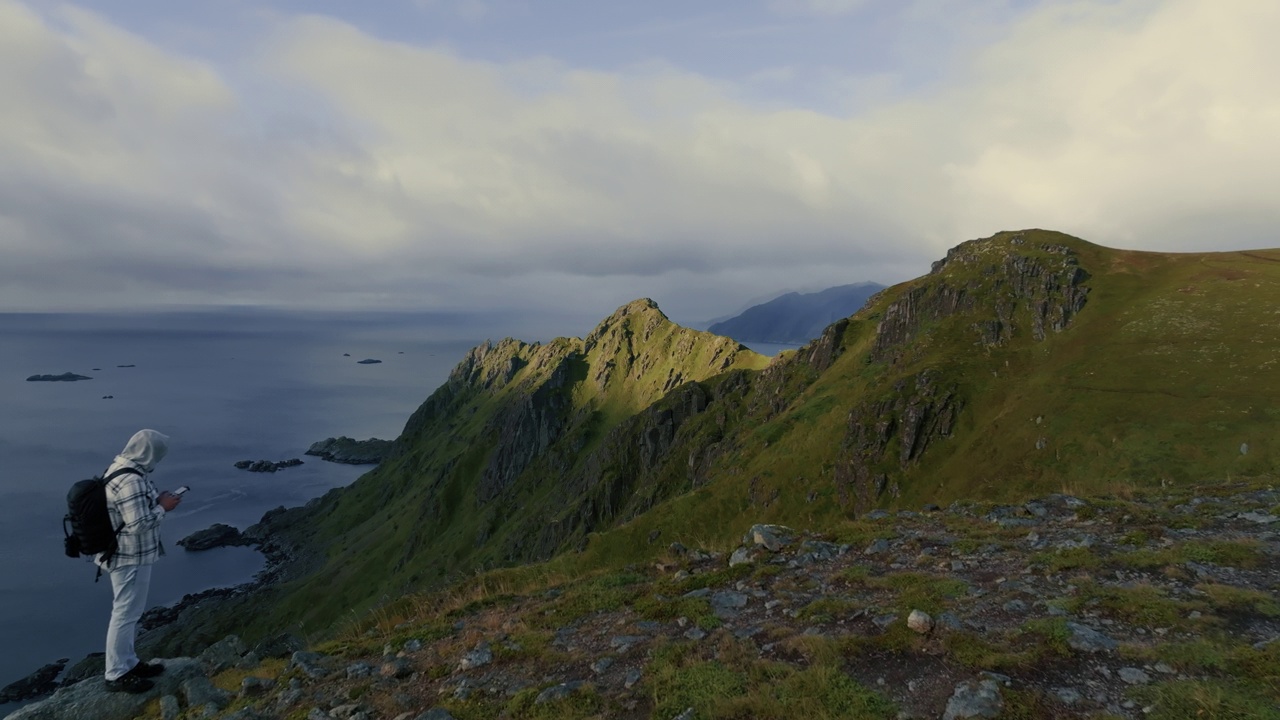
(131, 501)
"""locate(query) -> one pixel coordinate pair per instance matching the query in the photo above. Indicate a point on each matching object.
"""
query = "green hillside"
(1162, 374)
(1150, 368)
(1024, 363)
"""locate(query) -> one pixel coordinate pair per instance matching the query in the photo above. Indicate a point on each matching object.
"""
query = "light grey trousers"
(129, 585)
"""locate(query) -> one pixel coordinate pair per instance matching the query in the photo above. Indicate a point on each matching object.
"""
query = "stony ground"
(1059, 608)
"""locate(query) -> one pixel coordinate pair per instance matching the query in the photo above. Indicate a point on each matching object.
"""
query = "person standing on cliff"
(137, 509)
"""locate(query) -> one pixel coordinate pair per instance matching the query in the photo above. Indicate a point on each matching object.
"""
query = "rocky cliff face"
(527, 447)
(600, 424)
(629, 361)
(887, 436)
(667, 448)
(1010, 284)
(778, 385)
(530, 422)
(994, 289)
(486, 369)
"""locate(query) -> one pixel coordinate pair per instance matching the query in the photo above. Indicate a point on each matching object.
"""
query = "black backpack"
(91, 532)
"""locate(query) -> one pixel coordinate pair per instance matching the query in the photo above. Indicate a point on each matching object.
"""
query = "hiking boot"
(146, 670)
(131, 684)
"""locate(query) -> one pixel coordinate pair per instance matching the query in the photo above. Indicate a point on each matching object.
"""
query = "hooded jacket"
(132, 502)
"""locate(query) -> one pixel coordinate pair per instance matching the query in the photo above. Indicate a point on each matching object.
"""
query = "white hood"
(145, 449)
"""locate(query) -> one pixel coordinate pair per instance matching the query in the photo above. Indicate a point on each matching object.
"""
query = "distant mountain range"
(796, 318)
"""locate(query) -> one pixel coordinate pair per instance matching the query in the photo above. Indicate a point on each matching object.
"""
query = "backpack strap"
(110, 554)
(121, 471)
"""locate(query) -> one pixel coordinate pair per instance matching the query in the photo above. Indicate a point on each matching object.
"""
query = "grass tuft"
(1200, 699)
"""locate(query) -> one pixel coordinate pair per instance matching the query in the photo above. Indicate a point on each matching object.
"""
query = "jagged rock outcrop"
(185, 686)
(1001, 286)
(527, 427)
(631, 359)
(893, 432)
(605, 485)
(1014, 285)
(216, 535)
(350, 451)
(485, 371)
(40, 682)
(267, 466)
(90, 698)
(778, 385)
(489, 366)
(823, 352)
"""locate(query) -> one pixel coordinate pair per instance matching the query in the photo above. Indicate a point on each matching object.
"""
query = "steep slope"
(1024, 363)
(500, 464)
(796, 318)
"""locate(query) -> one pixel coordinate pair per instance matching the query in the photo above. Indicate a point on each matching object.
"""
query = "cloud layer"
(333, 167)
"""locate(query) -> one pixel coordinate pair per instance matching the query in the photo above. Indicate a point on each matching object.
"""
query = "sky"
(536, 155)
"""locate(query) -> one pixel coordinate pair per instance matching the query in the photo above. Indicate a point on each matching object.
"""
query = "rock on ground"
(90, 698)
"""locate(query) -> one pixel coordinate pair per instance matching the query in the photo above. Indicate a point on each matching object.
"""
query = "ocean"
(225, 386)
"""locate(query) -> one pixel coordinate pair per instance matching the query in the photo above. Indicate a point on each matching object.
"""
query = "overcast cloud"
(330, 162)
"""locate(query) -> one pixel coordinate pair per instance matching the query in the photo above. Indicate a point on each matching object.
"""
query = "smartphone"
(181, 490)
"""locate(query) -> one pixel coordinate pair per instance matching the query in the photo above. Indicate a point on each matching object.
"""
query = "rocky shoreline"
(277, 555)
(278, 558)
(275, 561)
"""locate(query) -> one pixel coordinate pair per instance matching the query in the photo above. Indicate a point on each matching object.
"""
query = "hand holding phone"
(170, 499)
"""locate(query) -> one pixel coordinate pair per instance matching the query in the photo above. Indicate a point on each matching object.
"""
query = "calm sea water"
(224, 386)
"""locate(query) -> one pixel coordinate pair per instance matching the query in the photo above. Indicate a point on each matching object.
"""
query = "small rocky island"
(350, 451)
(216, 535)
(266, 466)
(368, 361)
(64, 377)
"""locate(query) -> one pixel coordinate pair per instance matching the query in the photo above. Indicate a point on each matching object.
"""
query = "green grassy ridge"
(1138, 422)
(1118, 400)
(417, 520)
(1157, 379)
